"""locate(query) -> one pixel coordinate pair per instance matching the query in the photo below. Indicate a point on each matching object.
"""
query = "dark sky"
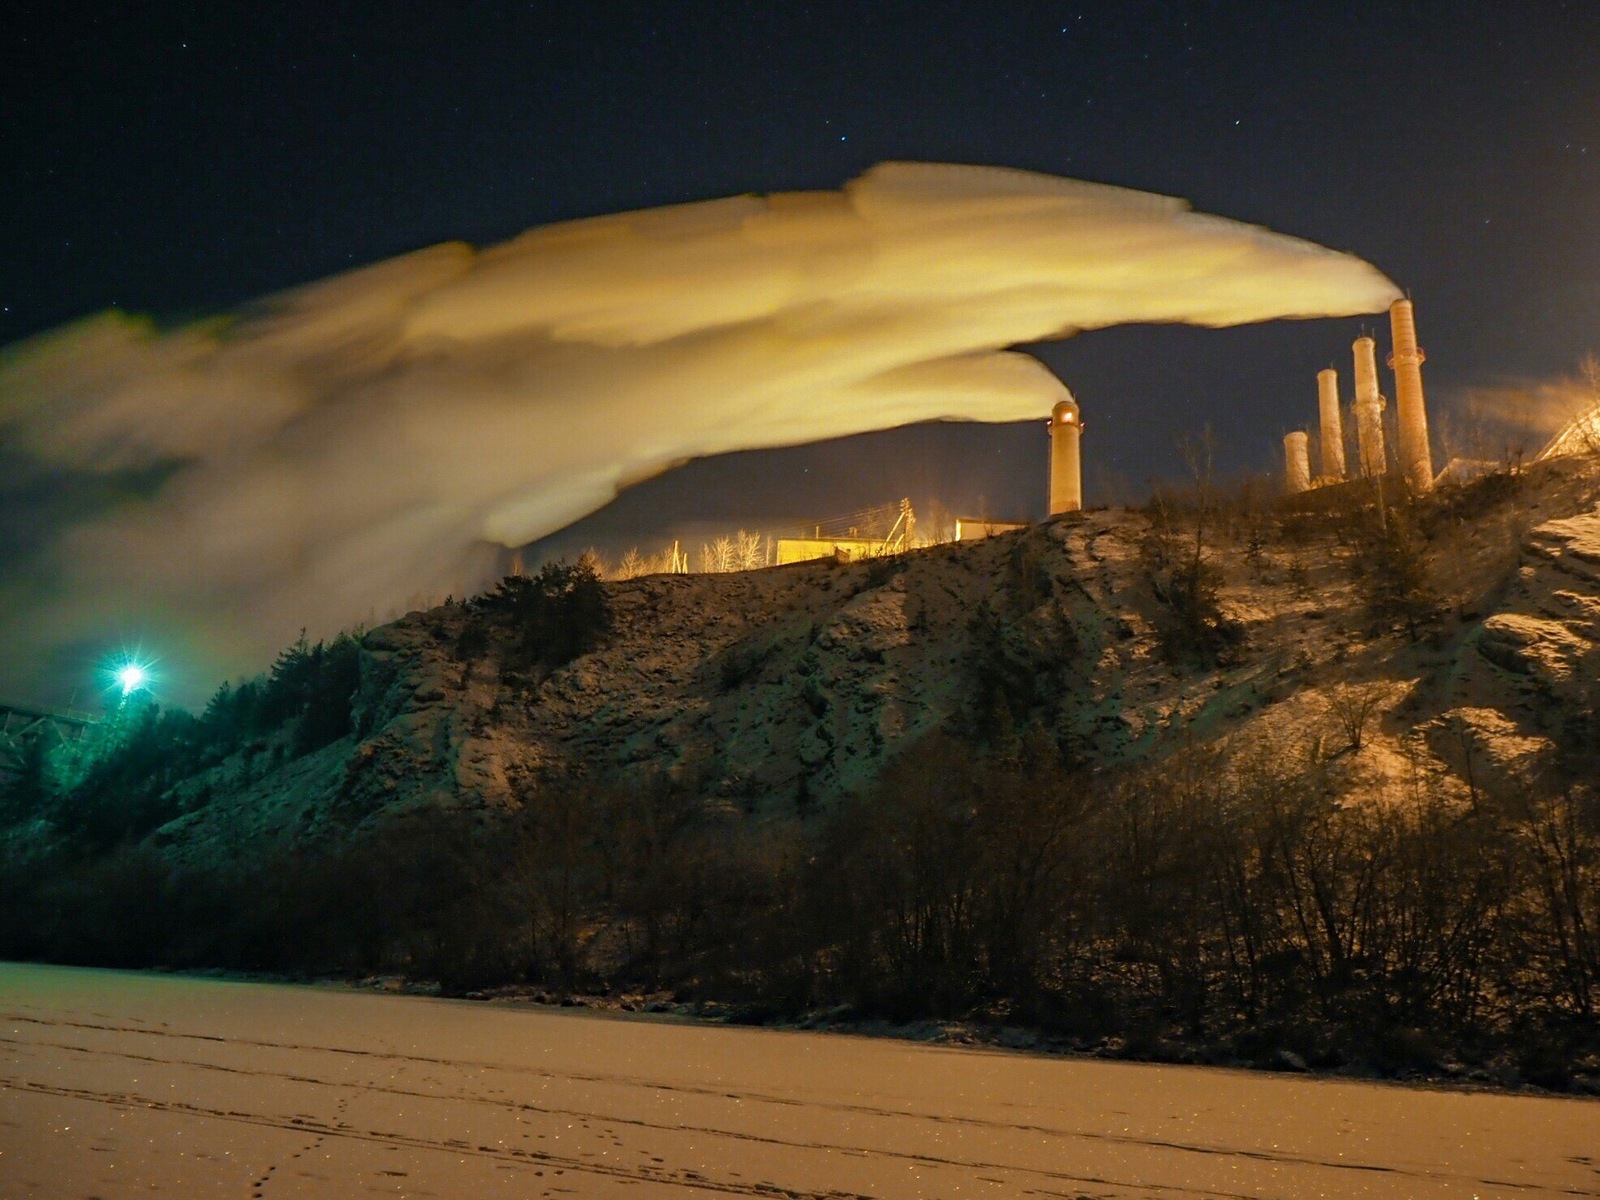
(180, 159)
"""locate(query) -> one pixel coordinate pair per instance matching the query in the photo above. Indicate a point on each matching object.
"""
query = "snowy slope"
(773, 689)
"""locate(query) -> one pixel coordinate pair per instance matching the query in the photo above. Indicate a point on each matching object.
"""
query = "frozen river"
(119, 1085)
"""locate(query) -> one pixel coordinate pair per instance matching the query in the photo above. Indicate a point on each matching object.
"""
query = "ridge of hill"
(775, 690)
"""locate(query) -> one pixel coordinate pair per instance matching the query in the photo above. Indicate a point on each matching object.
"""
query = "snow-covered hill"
(777, 690)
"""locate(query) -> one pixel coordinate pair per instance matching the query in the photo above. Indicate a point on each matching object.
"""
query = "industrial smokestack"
(1296, 462)
(1369, 409)
(1332, 428)
(1066, 472)
(1416, 458)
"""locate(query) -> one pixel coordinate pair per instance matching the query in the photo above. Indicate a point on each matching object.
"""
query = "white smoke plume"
(322, 457)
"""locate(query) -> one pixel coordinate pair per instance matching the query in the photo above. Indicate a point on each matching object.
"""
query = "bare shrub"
(1351, 705)
(1560, 834)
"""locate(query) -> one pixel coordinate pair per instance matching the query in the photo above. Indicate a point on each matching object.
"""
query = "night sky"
(180, 160)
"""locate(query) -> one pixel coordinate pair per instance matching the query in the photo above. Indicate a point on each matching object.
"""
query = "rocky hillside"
(1223, 780)
(1467, 653)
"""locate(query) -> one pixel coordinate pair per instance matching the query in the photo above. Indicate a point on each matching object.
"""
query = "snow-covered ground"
(117, 1085)
(760, 688)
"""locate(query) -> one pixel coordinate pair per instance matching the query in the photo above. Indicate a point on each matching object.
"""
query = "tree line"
(1211, 907)
(131, 783)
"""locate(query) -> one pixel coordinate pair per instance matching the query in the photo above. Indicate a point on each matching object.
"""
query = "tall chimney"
(1066, 475)
(1332, 428)
(1369, 409)
(1296, 463)
(1416, 458)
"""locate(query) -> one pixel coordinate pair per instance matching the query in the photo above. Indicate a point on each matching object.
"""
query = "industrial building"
(853, 537)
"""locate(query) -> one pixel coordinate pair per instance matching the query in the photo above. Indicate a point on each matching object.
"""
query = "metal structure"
(1296, 462)
(1369, 409)
(867, 533)
(1581, 435)
(1066, 471)
(23, 725)
(1416, 458)
(1332, 428)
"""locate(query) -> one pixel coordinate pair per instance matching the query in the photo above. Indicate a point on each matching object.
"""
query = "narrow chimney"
(1296, 463)
(1369, 409)
(1332, 428)
(1066, 474)
(1416, 458)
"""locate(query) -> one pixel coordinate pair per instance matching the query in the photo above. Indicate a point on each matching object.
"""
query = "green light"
(132, 677)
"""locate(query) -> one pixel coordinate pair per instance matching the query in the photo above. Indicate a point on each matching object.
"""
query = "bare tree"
(748, 554)
(718, 557)
(1352, 705)
(1566, 873)
(631, 565)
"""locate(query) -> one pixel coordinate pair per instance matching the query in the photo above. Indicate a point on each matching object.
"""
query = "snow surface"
(119, 1085)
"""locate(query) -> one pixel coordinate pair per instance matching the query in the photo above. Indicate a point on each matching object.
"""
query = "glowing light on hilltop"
(131, 675)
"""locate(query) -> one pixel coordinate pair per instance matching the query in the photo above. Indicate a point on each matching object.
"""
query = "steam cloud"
(322, 457)
(1544, 418)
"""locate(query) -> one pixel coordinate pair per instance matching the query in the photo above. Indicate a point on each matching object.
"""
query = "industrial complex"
(1413, 453)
